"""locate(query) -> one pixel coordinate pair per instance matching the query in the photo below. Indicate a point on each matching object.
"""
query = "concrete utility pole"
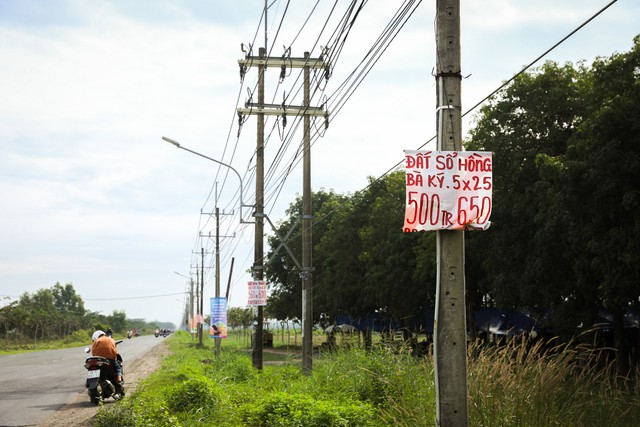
(258, 263)
(307, 266)
(217, 341)
(197, 309)
(191, 310)
(200, 324)
(450, 343)
(305, 110)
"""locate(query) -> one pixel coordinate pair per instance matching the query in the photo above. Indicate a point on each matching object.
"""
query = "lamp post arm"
(177, 144)
(182, 275)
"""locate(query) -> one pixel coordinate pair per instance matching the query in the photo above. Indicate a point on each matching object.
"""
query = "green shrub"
(515, 384)
(141, 410)
(82, 336)
(284, 410)
(231, 367)
(193, 395)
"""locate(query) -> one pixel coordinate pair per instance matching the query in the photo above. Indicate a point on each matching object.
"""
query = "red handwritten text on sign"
(257, 293)
(448, 190)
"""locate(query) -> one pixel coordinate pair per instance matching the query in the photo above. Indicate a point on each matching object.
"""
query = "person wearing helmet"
(104, 346)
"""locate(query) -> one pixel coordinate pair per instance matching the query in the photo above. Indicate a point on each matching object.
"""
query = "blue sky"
(91, 195)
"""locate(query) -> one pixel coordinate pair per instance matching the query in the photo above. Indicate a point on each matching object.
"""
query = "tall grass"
(517, 384)
(546, 384)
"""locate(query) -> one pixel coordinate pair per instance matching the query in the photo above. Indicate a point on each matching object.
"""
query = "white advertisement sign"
(448, 190)
(257, 293)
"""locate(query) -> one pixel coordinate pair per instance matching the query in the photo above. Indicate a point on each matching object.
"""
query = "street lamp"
(182, 275)
(177, 144)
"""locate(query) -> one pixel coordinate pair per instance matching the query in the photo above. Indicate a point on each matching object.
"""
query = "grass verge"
(513, 385)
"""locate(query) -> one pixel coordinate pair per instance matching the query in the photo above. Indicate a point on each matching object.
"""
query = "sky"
(91, 195)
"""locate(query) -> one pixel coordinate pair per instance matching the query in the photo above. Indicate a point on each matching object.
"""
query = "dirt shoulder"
(81, 411)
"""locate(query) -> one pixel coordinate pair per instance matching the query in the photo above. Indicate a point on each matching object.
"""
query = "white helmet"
(97, 334)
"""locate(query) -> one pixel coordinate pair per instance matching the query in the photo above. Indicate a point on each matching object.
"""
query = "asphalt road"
(34, 385)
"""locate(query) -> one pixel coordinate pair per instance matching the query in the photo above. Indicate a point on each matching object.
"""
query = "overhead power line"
(493, 93)
(347, 88)
(139, 297)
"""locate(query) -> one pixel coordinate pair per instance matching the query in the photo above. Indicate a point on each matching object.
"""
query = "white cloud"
(91, 195)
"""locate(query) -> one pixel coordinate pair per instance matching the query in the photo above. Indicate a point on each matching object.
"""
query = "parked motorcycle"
(101, 378)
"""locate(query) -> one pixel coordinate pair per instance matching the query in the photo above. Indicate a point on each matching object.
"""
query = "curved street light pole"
(177, 144)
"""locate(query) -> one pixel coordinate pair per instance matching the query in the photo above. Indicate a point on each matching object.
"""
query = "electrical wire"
(493, 93)
(139, 297)
(346, 90)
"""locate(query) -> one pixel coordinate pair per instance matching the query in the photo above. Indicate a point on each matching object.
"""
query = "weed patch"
(520, 383)
(297, 410)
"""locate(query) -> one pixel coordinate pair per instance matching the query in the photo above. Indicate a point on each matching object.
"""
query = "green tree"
(524, 254)
(566, 193)
(390, 256)
(118, 321)
(66, 299)
(281, 271)
(9, 320)
(239, 317)
(363, 263)
(339, 271)
(599, 177)
(40, 314)
(70, 308)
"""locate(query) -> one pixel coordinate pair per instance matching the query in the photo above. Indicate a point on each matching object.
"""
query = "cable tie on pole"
(456, 74)
(448, 107)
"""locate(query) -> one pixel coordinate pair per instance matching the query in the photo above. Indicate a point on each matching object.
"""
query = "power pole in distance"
(200, 323)
(450, 343)
(217, 266)
(217, 341)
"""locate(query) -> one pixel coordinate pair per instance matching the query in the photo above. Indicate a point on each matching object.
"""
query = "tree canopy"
(565, 236)
(56, 313)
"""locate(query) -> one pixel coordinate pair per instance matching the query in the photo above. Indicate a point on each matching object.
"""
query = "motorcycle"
(101, 378)
(129, 334)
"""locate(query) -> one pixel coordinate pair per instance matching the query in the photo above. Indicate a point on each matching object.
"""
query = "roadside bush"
(140, 410)
(193, 395)
(364, 375)
(82, 336)
(297, 410)
(231, 367)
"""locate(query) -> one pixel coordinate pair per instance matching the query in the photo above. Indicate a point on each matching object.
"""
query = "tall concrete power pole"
(307, 266)
(450, 342)
(258, 263)
(306, 111)
(217, 341)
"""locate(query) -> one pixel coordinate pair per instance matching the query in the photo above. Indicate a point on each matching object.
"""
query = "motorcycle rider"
(104, 346)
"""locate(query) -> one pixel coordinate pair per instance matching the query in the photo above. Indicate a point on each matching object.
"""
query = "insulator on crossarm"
(243, 71)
